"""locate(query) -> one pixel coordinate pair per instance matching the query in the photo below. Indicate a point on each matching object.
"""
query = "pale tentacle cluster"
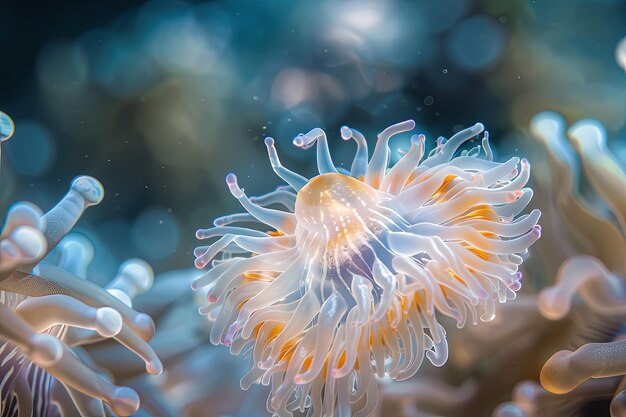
(350, 282)
(595, 277)
(530, 399)
(49, 311)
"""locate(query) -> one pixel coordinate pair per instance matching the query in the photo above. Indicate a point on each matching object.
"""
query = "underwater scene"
(289, 208)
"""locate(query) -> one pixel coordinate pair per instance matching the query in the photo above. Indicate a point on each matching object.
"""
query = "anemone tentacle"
(352, 279)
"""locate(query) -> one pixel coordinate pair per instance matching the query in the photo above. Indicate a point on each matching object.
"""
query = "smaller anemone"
(593, 278)
(49, 312)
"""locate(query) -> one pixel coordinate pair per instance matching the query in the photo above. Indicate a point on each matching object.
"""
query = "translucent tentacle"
(84, 192)
(602, 169)
(603, 239)
(279, 220)
(76, 254)
(331, 312)
(324, 160)
(296, 181)
(380, 158)
(52, 278)
(565, 370)
(399, 174)
(282, 197)
(359, 164)
(44, 312)
(134, 277)
(23, 247)
(452, 145)
(22, 214)
(588, 277)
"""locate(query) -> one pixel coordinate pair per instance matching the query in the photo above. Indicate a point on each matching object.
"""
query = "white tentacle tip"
(199, 263)
(30, 242)
(139, 273)
(417, 140)
(551, 305)
(145, 325)
(24, 214)
(547, 126)
(346, 133)
(89, 188)
(306, 140)
(478, 127)
(154, 367)
(299, 141)
(231, 181)
(588, 135)
(537, 230)
(45, 350)
(125, 401)
(108, 322)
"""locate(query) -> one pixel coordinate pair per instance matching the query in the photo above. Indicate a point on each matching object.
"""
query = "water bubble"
(255, 98)
(7, 127)
(429, 100)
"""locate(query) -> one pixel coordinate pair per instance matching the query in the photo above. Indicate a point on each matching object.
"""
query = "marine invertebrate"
(49, 311)
(590, 279)
(351, 281)
(599, 282)
(182, 343)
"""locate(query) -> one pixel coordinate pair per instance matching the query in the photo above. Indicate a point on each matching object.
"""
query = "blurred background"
(159, 100)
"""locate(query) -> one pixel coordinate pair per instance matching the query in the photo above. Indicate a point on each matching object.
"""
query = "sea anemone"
(589, 288)
(49, 311)
(350, 281)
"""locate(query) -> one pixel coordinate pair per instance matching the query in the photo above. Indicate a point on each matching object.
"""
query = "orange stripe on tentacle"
(273, 334)
(490, 235)
(411, 178)
(443, 290)
(418, 301)
(342, 359)
(275, 233)
(455, 276)
(286, 352)
(480, 253)
(256, 330)
(260, 276)
(241, 304)
(447, 183)
(481, 212)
